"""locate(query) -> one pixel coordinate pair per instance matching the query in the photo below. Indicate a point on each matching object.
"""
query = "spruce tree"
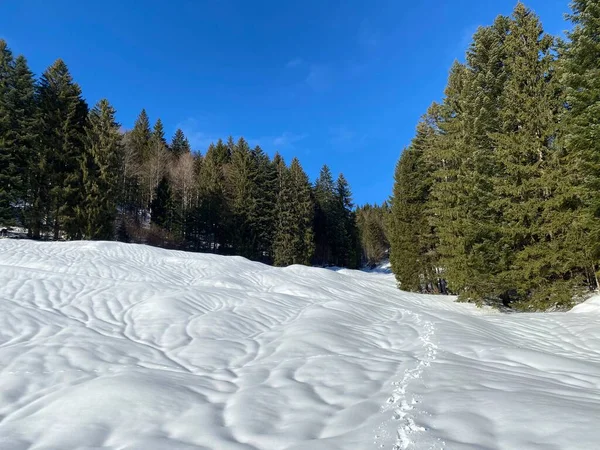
(179, 144)
(154, 167)
(242, 198)
(140, 137)
(580, 70)
(347, 246)
(214, 213)
(294, 234)
(8, 164)
(136, 148)
(464, 160)
(413, 252)
(263, 217)
(527, 153)
(63, 114)
(23, 137)
(99, 167)
(325, 217)
(162, 205)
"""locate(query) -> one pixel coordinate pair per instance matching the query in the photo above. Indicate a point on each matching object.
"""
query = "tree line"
(70, 172)
(497, 199)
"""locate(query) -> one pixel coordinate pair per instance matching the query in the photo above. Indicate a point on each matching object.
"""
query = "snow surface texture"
(106, 345)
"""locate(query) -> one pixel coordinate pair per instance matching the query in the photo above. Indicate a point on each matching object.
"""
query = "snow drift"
(106, 345)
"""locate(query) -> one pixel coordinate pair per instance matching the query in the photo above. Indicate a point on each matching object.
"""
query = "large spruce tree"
(214, 212)
(525, 181)
(242, 196)
(580, 69)
(23, 135)
(412, 243)
(63, 114)
(100, 174)
(8, 165)
(179, 144)
(324, 219)
(347, 243)
(263, 215)
(294, 234)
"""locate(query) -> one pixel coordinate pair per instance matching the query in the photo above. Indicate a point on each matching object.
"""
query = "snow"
(592, 305)
(107, 345)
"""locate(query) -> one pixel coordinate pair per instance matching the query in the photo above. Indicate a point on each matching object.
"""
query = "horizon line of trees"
(69, 172)
(497, 198)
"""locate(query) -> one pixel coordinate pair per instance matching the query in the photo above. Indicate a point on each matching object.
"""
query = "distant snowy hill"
(114, 346)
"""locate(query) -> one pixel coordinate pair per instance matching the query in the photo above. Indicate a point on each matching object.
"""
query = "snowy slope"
(105, 345)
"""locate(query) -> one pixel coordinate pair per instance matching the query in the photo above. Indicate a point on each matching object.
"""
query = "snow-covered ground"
(106, 345)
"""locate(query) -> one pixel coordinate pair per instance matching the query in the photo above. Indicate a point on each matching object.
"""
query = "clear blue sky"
(340, 82)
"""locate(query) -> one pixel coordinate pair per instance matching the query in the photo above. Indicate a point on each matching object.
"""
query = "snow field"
(107, 345)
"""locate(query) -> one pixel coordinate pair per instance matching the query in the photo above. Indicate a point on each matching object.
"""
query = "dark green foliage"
(580, 76)
(17, 136)
(504, 174)
(337, 239)
(263, 216)
(242, 194)
(66, 173)
(140, 138)
(179, 144)
(63, 114)
(213, 211)
(412, 242)
(347, 241)
(324, 221)
(162, 206)
(9, 179)
(23, 136)
(100, 174)
(294, 235)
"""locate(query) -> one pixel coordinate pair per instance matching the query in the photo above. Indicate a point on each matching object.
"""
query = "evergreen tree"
(325, 217)
(179, 144)
(99, 167)
(222, 152)
(155, 166)
(63, 114)
(140, 137)
(580, 67)
(23, 137)
(347, 246)
(135, 151)
(242, 198)
(213, 212)
(294, 234)
(184, 181)
(162, 205)
(8, 165)
(463, 156)
(17, 135)
(264, 213)
(527, 154)
(158, 132)
(410, 252)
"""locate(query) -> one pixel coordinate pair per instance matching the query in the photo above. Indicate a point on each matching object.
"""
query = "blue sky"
(341, 82)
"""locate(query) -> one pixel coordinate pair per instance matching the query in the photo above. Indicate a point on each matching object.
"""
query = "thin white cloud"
(319, 77)
(296, 62)
(345, 138)
(288, 139)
